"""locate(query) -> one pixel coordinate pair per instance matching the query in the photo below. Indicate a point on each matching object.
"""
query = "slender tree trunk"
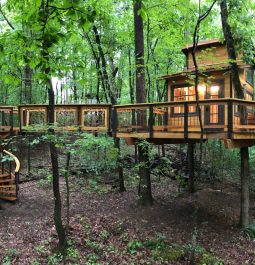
(55, 172)
(108, 91)
(244, 211)
(74, 87)
(144, 171)
(191, 166)
(163, 150)
(28, 157)
(120, 166)
(28, 85)
(66, 174)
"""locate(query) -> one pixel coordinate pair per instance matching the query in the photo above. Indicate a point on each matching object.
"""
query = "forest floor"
(108, 227)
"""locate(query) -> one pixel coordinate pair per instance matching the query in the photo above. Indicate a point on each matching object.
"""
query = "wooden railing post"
(151, 121)
(230, 118)
(109, 114)
(79, 117)
(11, 121)
(114, 121)
(186, 117)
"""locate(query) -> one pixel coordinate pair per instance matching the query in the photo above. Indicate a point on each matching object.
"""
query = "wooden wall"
(207, 56)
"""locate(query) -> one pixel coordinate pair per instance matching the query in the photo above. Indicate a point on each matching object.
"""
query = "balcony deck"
(167, 122)
(180, 120)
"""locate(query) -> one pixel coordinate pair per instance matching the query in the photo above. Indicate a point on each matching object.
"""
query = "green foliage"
(157, 244)
(104, 234)
(102, 154)
(92, 259)
(35, 262)
(46, 182)
(55, 259)
(249, 231)
(41, 249)
(177, 252)
(94, 245)
(73, 253)
(218, 162)
(7, 260)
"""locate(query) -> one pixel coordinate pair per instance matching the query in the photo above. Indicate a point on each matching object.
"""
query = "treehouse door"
(214, 112)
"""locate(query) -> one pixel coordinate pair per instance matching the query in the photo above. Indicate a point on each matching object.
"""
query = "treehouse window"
(249, 76)
(184, 94)
(213, 93)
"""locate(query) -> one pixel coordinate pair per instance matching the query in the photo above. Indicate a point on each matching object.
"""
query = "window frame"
(252, 76)
(181, 85)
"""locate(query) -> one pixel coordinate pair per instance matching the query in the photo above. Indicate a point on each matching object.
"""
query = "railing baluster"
(11, 121)
(114, 122)
(151, 121)
(230, 118)
(186, 118)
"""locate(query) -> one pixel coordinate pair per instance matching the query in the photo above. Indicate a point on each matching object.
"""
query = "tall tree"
(244, 152)
(143, 148)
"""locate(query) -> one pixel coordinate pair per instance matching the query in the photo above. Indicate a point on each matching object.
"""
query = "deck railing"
(9, 120)
(220, 118)
(93, 117)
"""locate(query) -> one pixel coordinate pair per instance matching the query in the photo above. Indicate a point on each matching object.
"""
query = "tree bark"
(244, 211)
(139, 53)
(66, 174)
(231, 50)
(144, 173)
(120, 166)
(191, 166)
(28, 85)
(144, 169)
(55, 172)
(244, 153)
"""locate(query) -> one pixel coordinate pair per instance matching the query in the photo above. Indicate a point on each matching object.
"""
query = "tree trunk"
(66, 174)
(55, 172)
(144, 170)
(120, 166)
(244, 211)
(191, 166)
(139, 54)
(75, 88)
(144, 173)
(28, 85)
(231, 50)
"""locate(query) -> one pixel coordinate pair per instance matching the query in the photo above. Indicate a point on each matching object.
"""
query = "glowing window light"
(201, 89)
(215, 89)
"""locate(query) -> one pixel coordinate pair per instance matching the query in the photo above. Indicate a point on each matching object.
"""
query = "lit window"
(184, 94)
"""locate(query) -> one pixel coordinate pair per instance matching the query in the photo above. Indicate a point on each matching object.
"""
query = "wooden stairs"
(9, 178)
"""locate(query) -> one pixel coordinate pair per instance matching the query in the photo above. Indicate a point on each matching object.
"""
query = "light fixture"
(201, 89)
(215, 89)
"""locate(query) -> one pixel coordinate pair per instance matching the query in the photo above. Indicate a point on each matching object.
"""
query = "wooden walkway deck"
(225, 119)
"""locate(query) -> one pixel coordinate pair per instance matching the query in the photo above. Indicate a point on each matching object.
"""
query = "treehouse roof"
(203, 44)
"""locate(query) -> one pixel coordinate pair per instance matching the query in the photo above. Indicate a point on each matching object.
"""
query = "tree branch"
(6, 19)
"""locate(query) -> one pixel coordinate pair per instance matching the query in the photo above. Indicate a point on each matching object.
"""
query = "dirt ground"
(113, 219)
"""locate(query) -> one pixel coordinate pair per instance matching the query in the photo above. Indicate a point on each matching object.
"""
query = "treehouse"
(218, 114)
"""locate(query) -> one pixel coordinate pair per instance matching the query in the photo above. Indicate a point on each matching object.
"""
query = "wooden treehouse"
(223, 116)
